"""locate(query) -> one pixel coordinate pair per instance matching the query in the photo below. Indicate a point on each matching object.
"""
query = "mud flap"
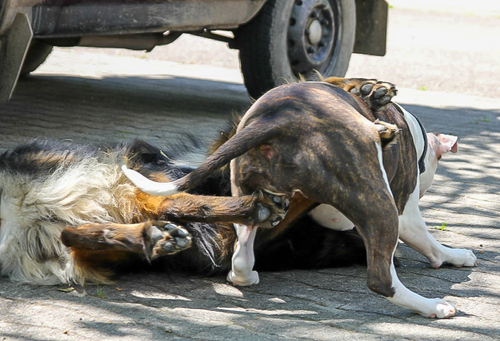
(13, 48)
(371, 27)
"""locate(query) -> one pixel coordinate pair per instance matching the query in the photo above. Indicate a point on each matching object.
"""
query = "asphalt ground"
(88, 96)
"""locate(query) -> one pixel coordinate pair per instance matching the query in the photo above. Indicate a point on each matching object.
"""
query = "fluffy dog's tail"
(251, 136)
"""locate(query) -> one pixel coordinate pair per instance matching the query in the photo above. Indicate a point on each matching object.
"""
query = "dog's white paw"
(461, 257)
(441, 309)
(468, 258)
(241, 280)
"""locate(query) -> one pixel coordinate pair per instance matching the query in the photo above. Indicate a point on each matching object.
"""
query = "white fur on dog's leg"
(243, 260)
(424, 306)
(413, 231)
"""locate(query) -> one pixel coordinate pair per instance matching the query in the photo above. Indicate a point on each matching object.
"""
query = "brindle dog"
(318, 142)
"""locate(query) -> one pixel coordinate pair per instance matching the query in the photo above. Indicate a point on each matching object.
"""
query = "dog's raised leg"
(97, 249)
(243, 260)
(413, 231)
(260, 208)
(375, 93)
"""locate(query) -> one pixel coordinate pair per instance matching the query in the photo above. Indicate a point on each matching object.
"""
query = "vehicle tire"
(288, 40)
(37, 54)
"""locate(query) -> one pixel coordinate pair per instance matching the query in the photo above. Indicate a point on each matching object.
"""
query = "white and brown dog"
(332, 143)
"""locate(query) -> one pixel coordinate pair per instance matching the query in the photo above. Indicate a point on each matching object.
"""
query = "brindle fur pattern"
(332, 138)
(321, 141)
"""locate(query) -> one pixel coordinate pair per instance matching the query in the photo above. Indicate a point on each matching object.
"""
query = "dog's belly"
(329, 217)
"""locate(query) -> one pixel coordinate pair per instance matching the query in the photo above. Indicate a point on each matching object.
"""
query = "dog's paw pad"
(271, 208)
(376, 94)
(366, 89)
(168, 239)
(382, 94)
(263, 213)
(281, 201)
(379, 92)
(373, 92)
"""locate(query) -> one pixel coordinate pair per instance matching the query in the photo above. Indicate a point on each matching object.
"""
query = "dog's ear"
(443, 143)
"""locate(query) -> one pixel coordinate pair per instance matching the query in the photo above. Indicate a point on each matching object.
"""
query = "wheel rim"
(313, 36)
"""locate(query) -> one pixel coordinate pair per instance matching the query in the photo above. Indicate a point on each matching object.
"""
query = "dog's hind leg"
(380, 239)
(377, 223)
(413, 231)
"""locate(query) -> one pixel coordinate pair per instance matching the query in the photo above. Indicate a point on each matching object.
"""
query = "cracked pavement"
(98, 97)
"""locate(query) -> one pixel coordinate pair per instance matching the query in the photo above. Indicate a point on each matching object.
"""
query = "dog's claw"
(276, 221)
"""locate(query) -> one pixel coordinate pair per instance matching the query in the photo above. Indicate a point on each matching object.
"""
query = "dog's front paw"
(458, 258)
(469, 258)
(270, 209)
(168, 239)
